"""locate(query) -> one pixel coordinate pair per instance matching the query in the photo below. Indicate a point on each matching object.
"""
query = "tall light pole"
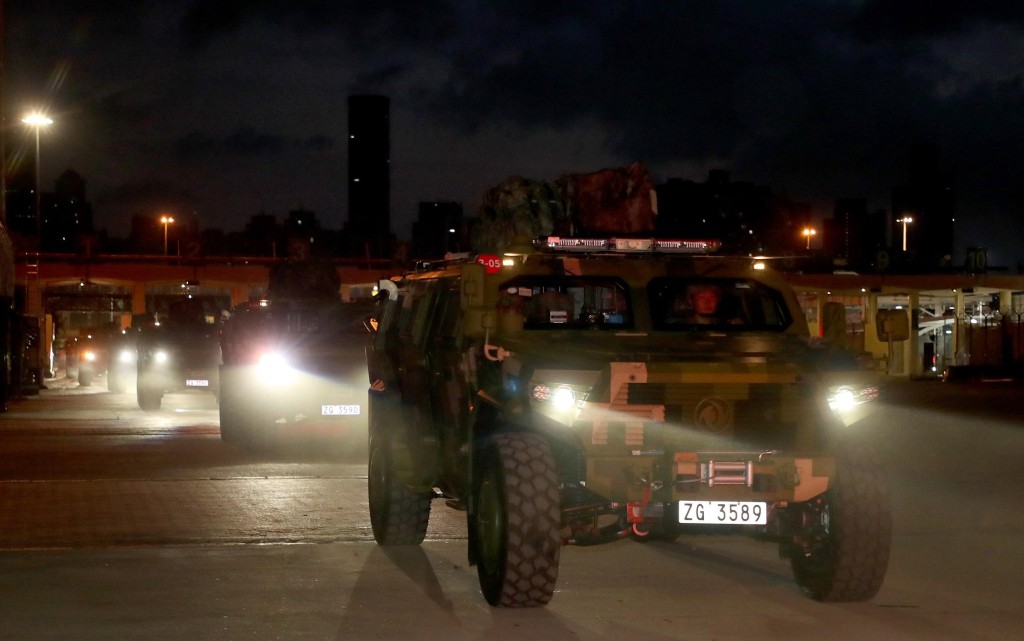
(906, 220)
(37, 121)
(808, 232)
(166, 220)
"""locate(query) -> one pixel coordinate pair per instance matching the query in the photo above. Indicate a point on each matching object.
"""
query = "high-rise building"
(368, 230)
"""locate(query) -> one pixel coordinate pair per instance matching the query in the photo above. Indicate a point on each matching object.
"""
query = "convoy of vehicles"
(294, 363)
(590, 391)
(178, 351)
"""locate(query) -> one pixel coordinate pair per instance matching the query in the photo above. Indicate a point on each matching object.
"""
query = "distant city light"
(808, 232)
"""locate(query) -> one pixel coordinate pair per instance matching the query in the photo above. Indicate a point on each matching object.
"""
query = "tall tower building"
(368, 230)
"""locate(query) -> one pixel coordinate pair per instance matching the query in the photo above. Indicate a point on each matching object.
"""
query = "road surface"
(122, 524)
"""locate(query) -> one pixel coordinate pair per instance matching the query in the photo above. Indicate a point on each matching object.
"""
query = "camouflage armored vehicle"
(295, 362)
(599, 390)
(177, 351)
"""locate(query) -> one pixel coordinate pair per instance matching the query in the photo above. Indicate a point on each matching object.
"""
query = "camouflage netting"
(517, 207)
(609, 202)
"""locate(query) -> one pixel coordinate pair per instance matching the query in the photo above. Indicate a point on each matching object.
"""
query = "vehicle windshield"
(567, 302)
(716, 303)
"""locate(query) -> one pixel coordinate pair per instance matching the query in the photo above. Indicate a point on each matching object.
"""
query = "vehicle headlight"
(845, 398)
(560, 397)
(563, 398)
(274, 367)
(126, 356)
(161, 357)
(271, 361)
(89, 356)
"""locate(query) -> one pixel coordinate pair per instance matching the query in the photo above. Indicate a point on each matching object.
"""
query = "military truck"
(177, 351)
(294, 363)
(590, 391)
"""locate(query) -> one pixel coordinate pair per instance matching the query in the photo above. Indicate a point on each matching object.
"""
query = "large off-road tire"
(398, 514)
(84, 376)
(516, 520)
(149, 396)
(842, 551)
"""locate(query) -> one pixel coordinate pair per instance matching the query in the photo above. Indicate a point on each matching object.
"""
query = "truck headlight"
(89, 356)
(845, 398)
(560, 397)
(274, 367)
(563, 398)
(161, 357)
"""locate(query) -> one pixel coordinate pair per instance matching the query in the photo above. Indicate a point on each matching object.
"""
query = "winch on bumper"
(700, 491)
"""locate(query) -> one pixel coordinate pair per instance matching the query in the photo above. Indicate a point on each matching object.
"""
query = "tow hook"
(637, 511)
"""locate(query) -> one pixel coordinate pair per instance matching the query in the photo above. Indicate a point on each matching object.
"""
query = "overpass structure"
(65, 292)
(955, 318)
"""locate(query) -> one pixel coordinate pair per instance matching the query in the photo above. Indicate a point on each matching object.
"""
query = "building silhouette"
(368, 229)
(438, 229)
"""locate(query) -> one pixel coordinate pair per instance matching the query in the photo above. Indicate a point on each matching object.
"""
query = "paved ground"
(120, 524)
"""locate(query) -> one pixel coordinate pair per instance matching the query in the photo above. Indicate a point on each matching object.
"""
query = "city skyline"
(231, 109)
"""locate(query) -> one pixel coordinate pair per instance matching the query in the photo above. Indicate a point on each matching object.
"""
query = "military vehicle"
(294, 363)
(177, 351)
(594, 390)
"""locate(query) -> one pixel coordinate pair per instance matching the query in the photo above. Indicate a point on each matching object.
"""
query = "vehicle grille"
(756, 414)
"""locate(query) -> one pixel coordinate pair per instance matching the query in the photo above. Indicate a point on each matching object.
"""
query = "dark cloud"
(818, 99)
(894, 19)
(377, 24)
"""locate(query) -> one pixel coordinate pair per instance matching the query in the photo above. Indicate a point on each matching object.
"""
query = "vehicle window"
(567, 302)
(719, 303)
(446, 328)
(415, 311)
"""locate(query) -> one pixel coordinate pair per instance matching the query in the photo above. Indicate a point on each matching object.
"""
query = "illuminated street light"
(808, 232)
(37, 121)
(906, 220)
(166, 220)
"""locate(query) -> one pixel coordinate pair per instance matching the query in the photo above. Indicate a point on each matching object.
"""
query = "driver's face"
(705, 301)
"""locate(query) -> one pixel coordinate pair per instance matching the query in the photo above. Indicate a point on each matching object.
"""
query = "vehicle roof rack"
(627, 245)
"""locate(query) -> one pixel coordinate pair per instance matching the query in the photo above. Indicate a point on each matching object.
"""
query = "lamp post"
(906, 220)
(808, 232)
(37, 121)
(166, 220)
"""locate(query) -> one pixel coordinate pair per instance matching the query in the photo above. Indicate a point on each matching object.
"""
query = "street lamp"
(808, 232)
(37, 121)
(166, 220)
(906, 220)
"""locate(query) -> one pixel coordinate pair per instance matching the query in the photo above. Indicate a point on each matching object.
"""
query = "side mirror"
(378, 322)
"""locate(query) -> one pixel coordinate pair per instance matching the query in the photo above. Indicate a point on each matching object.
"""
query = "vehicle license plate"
(197, 382)
(723, 512)
(340, 410)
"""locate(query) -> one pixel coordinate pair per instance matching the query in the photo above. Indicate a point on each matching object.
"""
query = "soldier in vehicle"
(704, 304)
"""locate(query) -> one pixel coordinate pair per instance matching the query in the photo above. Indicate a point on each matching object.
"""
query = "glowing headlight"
(842, 400)
(272, 361)
(564, 398)
(274, 368)
(160, 357)
(125, 356)
(89, 356)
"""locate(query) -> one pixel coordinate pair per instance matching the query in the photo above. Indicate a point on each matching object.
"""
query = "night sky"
(232, 108)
